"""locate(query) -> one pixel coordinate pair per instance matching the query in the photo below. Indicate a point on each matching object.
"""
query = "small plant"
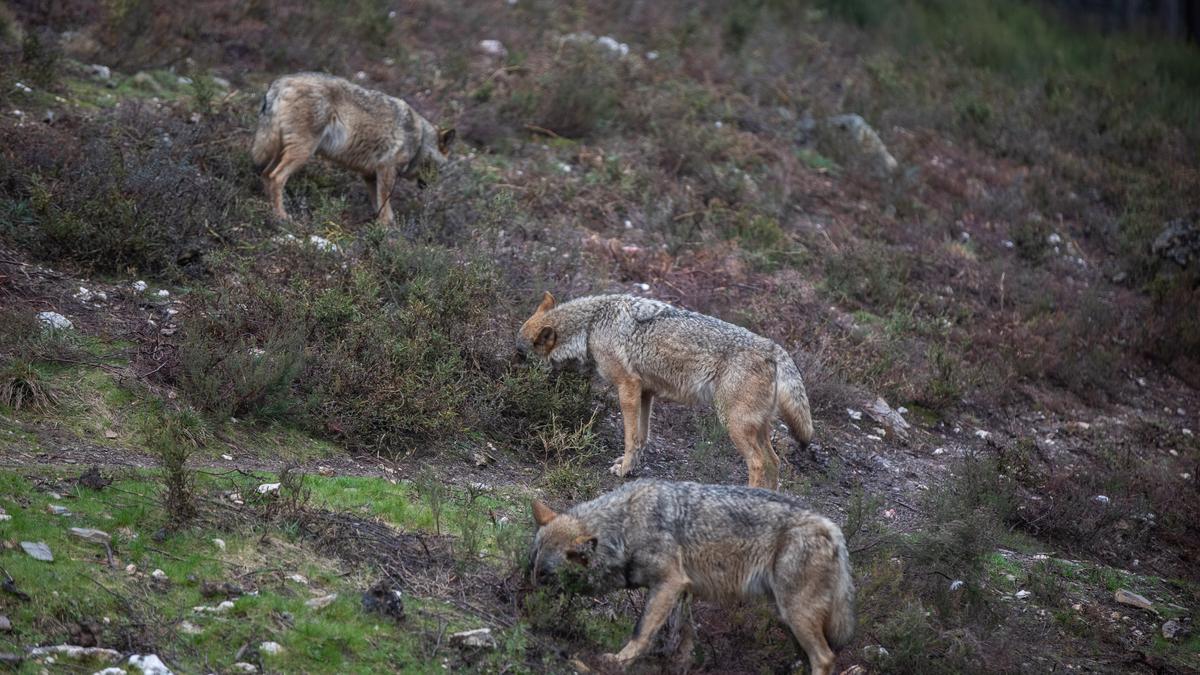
(470, 521)
(22, 387)
(173, 436)
(433, 491)
(577, 96)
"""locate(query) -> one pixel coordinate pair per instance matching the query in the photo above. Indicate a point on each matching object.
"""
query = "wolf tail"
(839, 622)
(793, 399)
(268, 139)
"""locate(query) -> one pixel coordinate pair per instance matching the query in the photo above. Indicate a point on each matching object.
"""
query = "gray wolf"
(715, 542)
(369, 132)
(651, 349)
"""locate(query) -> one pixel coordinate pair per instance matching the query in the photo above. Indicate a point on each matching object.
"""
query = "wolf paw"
(619, 468)
(611, 662)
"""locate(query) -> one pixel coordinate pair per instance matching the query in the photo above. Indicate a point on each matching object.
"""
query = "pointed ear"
(546, 338)
(542, 514)
(445, 138)
(547, 302)
(582, 549)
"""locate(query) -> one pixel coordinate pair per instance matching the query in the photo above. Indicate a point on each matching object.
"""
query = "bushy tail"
(839, 624)
(793, 399)
(268, 141)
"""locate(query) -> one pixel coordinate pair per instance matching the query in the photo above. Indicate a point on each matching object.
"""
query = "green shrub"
(577, 95)
(129, 200)
(173, 436)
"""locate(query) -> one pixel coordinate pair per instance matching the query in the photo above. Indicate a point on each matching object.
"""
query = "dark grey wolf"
(713, 541)
(369, 132)
(648, 348)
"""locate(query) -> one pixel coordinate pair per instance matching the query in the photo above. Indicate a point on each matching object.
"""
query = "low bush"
(133, 198)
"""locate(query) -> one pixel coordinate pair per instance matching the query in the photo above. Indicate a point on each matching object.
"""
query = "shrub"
(578, 95)
(173, 436)
(235, 362)
(22, 387)
(130, 199)
(869, 274)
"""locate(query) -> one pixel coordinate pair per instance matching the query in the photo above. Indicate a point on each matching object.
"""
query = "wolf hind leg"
(294, 156)
(647, 404)
(372, 194)
(802, 595)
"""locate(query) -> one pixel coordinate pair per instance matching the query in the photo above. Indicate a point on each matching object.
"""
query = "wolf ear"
(546, 337)
(542, 514)
(582, 549)
(547, 302)
(445, 138)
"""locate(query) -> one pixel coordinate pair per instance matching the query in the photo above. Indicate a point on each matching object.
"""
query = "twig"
(541, 130)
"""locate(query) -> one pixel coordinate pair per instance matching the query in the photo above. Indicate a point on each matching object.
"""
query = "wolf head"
(433, 155)
(561, 545)
(539, 334)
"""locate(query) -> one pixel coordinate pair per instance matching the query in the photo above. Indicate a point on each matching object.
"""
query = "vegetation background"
(974, 223)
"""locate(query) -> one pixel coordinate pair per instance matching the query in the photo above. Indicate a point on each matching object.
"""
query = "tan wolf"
(715, 542)
(366, 131)
(648, 348)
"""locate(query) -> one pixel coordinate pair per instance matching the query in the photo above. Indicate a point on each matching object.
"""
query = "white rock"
(189, 628)
(22, 87)
(321, 602)
(148, 664)
(855, 415)
(100, 72)
(4, 517)
(1126, 597)
(1053, 239)
(57, 510)
(131, 569)
(298, 578)
(322, 243)
(956, 584)
(54, 320)
(112, 670)
(91, 535)
(221, 608)
(480, 638)
(1186, 432)
(77, 653)
(267, 488)
(38, 550)
(361, 76)
(139, 286)
(1021, 595)
(939, 451)
(1170, 629)
(980, 433)
(159, 574)
(652, 56)
(883, 413)
(271, 648)
(1101, 499)
(493, 48)
(219, 543)
(243, 667)
(644, 287)
(83, 295)
(866, 138)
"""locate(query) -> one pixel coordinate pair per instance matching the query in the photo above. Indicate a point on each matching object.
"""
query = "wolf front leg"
(629, 393)
(658, 608)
